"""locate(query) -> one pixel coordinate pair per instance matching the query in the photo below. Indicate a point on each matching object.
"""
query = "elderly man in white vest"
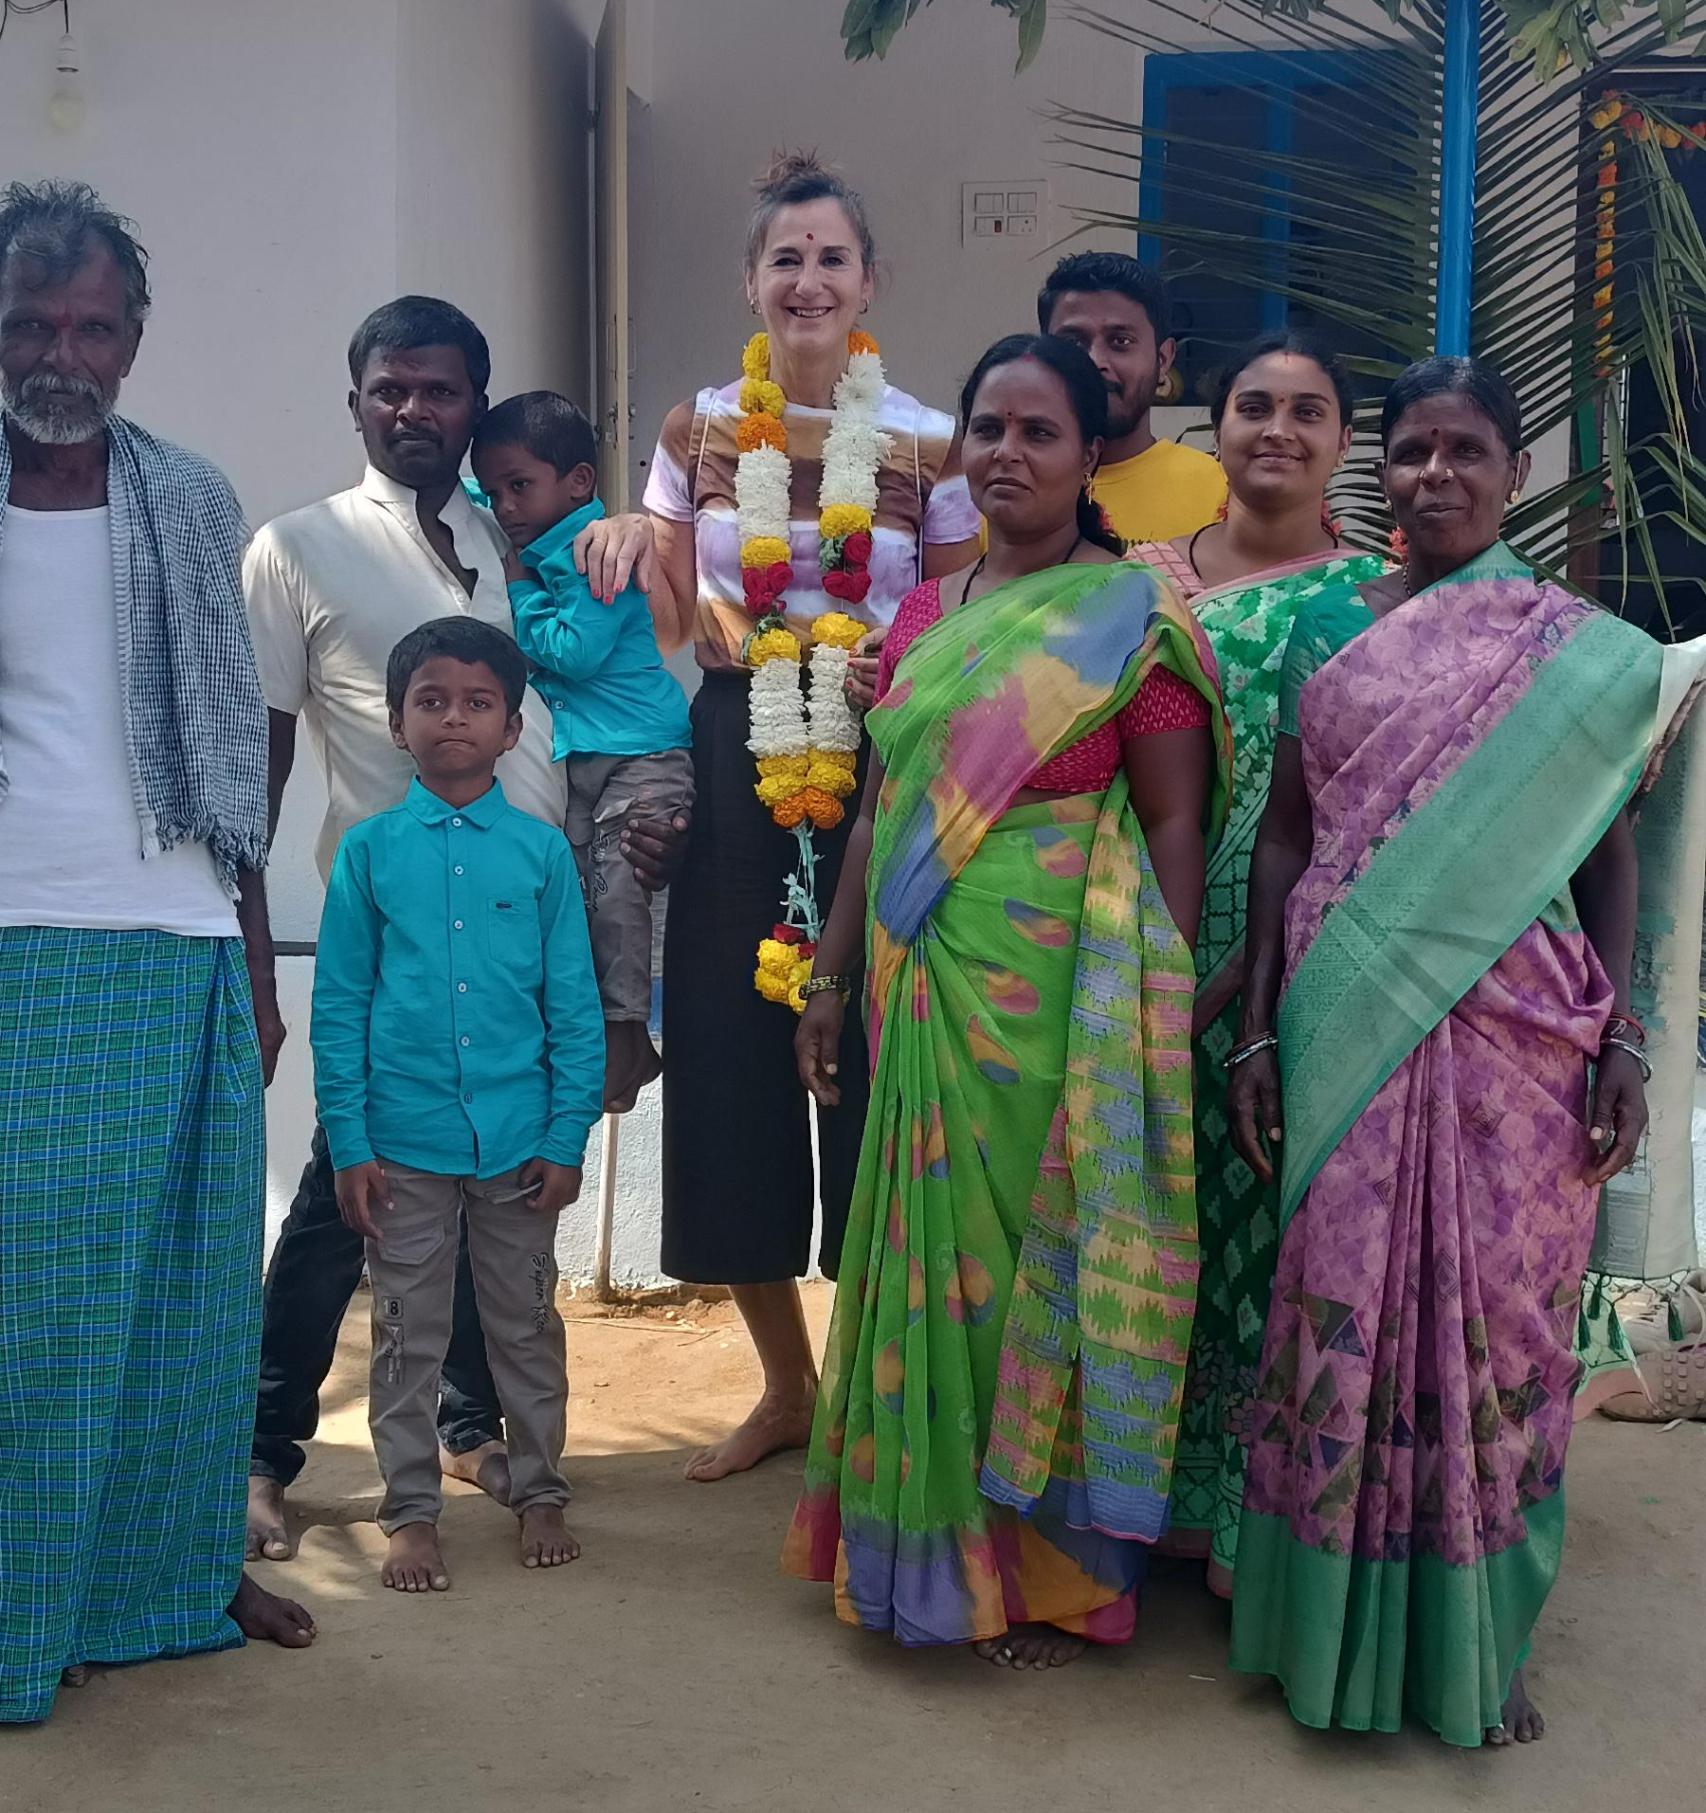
(132, 804)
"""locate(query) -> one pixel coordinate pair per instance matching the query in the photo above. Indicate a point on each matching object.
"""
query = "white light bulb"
(66, 108)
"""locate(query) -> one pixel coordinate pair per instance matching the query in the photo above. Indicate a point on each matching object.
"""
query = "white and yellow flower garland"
(806, 747)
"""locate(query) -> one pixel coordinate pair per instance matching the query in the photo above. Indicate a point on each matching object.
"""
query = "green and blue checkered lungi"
(131, 1176)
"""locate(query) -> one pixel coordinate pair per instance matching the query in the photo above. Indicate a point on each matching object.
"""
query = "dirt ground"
(674, 1667)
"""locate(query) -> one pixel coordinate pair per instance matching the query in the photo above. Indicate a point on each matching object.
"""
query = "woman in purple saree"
(1445, 883)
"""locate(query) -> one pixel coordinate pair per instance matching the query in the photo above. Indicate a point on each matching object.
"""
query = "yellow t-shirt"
(1166, 490)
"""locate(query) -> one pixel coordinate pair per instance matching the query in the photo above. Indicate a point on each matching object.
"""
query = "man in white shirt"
(132, 1155)
(331, 589)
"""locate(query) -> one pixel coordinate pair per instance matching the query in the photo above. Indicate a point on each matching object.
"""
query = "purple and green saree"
(1403, 1512)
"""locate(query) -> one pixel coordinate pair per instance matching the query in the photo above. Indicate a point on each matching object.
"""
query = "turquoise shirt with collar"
(597, 665)
(457, 1026)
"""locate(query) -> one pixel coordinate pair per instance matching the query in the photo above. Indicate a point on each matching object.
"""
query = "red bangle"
(1625, 1026)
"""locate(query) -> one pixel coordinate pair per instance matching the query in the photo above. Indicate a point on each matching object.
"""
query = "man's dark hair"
(1083, 273)
(464, 639)
(53, 225)
(413, 321)
(548, 426)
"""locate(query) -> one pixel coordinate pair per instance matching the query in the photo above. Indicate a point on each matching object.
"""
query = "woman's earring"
(865, 306)
(1514, 498)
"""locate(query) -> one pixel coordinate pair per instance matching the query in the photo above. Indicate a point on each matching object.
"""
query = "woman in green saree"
(1445, 880)
(1282, 426)
(993, 1440)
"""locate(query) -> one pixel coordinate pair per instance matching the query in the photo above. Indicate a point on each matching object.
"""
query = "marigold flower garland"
(806, 744)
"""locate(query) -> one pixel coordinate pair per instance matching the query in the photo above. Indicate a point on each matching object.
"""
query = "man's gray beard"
(62, 412)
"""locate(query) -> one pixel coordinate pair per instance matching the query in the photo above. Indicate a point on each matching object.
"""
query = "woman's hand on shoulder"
(617, 551)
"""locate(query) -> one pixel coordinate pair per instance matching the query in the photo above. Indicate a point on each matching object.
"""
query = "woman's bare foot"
(1522, 1721)
(270, 1619)
(486, 1467)
(1032, 1646)
(775, 1424)
(546, 1541)
(414, 1562)
(266, 1539)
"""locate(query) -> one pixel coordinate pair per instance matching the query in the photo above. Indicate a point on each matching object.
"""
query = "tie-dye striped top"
(922, 500)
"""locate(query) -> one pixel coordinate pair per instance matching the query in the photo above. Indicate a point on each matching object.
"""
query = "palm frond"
(1361, 231)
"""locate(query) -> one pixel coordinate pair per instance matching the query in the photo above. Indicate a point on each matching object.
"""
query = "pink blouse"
(1163, 702)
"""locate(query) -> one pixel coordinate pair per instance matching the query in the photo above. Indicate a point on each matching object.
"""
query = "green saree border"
(1358, 1643)
(1446, 897)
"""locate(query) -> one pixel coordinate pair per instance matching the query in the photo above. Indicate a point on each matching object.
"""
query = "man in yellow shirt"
(1117, 310)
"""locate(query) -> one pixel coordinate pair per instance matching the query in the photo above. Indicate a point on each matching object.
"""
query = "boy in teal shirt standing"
(458, 1061)
(619, 717)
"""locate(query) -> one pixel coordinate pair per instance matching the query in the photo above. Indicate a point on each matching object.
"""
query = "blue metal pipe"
(1459, 128)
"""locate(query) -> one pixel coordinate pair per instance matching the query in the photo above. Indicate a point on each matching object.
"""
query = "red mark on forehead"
(810, 237)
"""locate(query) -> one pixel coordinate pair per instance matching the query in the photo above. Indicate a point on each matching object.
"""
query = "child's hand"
(552, 1187)
(362, 1190)
(514, 571)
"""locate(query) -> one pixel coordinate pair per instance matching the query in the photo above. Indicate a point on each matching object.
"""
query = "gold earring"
(1514, 498)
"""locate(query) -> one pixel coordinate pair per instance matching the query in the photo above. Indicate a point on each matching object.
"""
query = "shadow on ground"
(674, 1667)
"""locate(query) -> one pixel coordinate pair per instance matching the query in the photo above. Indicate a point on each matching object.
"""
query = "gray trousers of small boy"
(412, 1268)
(605, 793)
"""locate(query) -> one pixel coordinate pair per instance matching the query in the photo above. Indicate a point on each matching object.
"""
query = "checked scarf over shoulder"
(195, 719)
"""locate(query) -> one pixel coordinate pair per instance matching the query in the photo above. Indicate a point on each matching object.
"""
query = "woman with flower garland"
(990, 1456)
(1282, 426)
(793, 509)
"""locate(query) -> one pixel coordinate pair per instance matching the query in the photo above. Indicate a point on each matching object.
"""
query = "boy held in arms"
(618, 715)
(458, 1061)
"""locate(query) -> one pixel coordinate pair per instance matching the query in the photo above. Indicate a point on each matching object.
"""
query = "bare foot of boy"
(414, 1562)
(486, 1467)
(267, 1539)
(546, 1541)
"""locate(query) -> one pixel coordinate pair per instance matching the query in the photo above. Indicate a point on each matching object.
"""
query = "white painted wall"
(733, 79)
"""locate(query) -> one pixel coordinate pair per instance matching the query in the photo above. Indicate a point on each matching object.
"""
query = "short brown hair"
(798, 176)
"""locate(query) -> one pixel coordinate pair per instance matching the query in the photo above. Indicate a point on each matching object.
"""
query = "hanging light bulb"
(66, 107)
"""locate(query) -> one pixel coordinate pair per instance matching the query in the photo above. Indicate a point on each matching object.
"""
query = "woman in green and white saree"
(1282, 426)
(994, 1435)
(1445, 882)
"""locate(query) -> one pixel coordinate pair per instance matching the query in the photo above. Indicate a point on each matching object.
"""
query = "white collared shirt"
(331, 590)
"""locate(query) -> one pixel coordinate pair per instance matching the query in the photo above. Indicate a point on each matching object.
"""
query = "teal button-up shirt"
(457, 1026)
(597, 665)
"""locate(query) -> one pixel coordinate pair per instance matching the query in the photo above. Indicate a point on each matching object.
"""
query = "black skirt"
(738, 1182)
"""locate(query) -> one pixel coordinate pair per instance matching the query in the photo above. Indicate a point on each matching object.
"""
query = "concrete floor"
(674, 1667)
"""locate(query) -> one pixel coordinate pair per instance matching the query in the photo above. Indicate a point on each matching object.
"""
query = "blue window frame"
(1229, 115)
